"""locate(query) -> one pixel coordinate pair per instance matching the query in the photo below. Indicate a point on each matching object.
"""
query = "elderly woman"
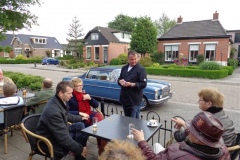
(211, 100)
(3, 80)
(80, 104)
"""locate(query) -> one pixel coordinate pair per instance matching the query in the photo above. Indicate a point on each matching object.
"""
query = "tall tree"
(164, 24)
(123, 23)
(144, 36)
(15, 15)
(75, 32)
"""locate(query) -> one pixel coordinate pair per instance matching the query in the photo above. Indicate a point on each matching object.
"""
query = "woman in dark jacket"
(80, 104)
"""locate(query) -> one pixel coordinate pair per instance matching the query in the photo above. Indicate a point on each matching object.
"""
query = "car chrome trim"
(162, 100)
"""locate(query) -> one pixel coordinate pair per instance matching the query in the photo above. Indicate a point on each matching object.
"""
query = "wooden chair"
(29, 125)
(12, 116)
(235, 149)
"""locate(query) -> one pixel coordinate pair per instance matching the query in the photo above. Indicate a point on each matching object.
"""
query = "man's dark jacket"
(53, 125)
(137, 75)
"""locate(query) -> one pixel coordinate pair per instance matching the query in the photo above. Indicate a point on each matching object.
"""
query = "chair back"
(30, 123)
(236, 150)
(13, 115)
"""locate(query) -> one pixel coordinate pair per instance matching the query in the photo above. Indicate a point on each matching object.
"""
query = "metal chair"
(29, 125)
(12, 116)
(235, 149)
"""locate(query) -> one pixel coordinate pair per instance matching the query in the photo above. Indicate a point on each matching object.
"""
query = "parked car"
(50, 61)
(101, 82)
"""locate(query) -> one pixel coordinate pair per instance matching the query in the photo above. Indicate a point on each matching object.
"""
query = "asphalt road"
(184, 101)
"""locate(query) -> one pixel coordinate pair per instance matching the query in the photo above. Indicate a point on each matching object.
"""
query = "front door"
(105, 54)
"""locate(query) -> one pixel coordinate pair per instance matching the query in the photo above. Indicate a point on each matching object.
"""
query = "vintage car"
(50, 61)
(101, 82)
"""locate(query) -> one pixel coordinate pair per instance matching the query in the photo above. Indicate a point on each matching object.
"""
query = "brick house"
(206, 37)
(236, 41)
(6, 42)
(104, 44)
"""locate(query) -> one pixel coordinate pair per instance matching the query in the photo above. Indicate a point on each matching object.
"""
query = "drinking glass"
(83, 91)
(95, 120)
(130, 135)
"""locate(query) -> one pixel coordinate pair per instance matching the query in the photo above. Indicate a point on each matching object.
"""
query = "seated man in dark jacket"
(205, 142)
(53, 125)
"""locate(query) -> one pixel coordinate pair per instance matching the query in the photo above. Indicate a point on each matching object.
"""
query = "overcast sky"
(55, 16)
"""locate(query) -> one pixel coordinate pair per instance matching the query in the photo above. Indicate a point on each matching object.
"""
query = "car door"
(96, 83)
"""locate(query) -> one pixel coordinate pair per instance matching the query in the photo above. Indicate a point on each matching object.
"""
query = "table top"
(116, 127)
(28, 94)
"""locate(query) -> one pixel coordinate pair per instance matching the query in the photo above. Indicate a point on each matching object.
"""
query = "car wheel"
(144, 104)
(48, 63)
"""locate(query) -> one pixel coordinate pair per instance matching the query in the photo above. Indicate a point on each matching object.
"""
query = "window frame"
(171, 52)
(90, 53)
(94, 36)
(95, 53)
(189, 56)
(214, 53)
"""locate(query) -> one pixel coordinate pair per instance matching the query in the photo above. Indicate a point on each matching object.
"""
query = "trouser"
(76, 134)
(131, 111)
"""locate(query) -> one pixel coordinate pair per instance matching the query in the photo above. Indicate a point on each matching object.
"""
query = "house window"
(193, 52)
(88, 52)
(18, 51)
(6, 54)
(40, 40)
(96, 53)
(210, 52)
(171, 52)
(94, 36)
(237, 38)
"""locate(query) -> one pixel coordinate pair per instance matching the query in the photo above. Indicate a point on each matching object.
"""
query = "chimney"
(179, 20)
(215, 16)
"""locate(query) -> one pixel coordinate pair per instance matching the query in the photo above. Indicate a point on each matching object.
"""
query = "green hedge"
(229, 68)
(19, 61)
(27, 81)
(211, 74)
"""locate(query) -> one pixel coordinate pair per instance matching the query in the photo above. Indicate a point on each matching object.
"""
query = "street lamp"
(221, 57)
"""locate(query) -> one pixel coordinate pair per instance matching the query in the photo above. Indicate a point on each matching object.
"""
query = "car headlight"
(156, 94)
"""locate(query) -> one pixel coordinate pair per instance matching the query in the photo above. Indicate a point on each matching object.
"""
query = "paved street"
(183, 102)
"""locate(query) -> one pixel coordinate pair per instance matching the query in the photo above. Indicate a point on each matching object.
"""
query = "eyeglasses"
(200, 100)
(79, 86)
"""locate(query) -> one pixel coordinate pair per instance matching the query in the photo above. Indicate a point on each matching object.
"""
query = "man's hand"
(122, 82)
(84, 116)
(86, 96)
(138, 135)
(84, 152)
(179, 123)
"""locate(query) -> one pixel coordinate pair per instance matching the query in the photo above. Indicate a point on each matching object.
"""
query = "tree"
(164, 24)
(75, 32)
(144, 36)
(123, 23)
(1, 49)
(7, 49)
(15, 15)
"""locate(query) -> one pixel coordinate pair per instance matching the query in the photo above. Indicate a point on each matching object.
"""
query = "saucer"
(150, 125)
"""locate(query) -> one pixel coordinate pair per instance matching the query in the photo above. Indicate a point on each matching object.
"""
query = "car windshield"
(99, 75)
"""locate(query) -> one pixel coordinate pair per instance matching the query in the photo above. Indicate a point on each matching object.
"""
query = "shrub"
(48, 53)
(124, 58)
(36, 58)
(146, 61)
(91, 63)
(233, 63)
(158, 57)
(101, 65)
(192, 67)
(20, 57)
(156, 65)
(210, 66)
(116, 61)
(229, 68)
(200, 58)
(173, 65)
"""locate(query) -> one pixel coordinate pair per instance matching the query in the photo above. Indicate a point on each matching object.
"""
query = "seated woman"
(3, 80)
(80, 104)
(210, 100)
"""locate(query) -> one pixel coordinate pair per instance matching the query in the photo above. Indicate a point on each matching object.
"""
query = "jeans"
(131, 111)
(74, 132)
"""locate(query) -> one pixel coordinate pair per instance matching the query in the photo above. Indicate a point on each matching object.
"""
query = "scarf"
(214, 109)
(83, 105)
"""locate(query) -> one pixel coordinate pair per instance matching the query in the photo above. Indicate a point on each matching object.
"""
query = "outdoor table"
(116, 127)
(25, 97)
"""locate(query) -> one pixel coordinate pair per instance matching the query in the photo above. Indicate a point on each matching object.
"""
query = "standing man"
(53, 124)
(133, 79)
(44, 95)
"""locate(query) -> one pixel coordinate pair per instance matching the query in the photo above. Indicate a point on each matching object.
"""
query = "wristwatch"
(131, 84)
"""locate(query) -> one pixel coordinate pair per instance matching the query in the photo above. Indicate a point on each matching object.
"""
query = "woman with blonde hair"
(80, 104)
(211, 100)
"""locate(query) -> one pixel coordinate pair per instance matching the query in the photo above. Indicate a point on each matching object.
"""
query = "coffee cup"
(153, 122)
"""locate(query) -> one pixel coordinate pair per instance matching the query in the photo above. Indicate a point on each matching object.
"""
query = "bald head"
(47, 83)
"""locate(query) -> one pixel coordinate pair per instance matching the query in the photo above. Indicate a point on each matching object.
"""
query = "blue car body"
(50, 61)
(101, 82)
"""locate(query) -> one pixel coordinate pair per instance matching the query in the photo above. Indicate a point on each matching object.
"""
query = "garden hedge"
(25, 81)
(19, 61)
(211, 74)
